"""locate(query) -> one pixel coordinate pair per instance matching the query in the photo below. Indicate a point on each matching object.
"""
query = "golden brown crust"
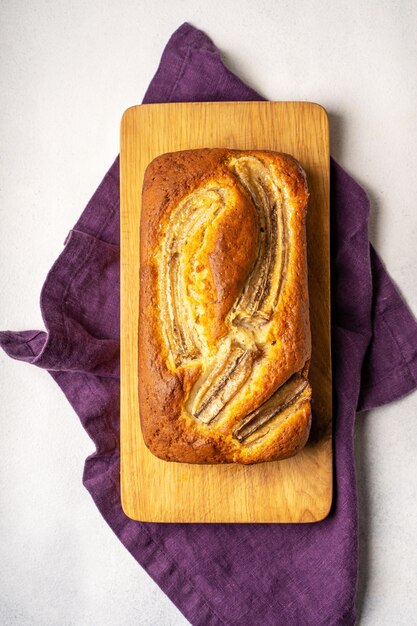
(223, 324)
(231, 256)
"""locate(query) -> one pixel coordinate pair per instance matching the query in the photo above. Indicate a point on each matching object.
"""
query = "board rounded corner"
(126, 502)
(327, 508)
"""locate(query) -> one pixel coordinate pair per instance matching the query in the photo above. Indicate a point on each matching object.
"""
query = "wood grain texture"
(294, 490)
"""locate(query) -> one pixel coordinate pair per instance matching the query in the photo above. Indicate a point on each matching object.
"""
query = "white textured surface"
(68, 70)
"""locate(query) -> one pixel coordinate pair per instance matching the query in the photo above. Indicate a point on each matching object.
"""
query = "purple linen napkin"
(240, 574)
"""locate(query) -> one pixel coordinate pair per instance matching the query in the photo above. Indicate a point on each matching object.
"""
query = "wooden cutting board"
(297, 489)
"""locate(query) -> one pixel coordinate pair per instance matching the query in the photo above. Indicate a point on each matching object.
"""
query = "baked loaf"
(224, 332)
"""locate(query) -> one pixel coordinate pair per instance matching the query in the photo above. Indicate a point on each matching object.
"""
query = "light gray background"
(68, 71)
